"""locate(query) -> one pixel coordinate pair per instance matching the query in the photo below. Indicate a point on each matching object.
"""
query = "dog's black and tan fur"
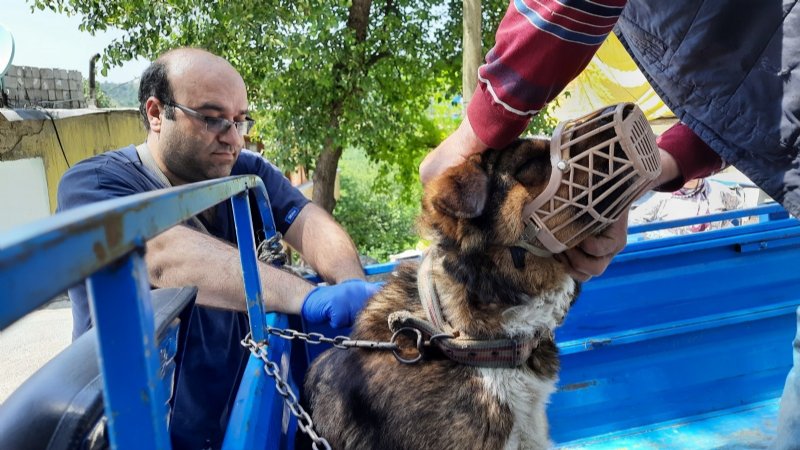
(472, 215)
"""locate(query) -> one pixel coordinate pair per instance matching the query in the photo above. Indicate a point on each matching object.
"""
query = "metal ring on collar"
(419, 345)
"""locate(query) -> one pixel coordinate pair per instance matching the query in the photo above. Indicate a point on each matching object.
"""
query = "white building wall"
(23, 192)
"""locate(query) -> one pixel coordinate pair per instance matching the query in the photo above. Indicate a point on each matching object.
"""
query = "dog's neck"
(505, 351)
(485, 305)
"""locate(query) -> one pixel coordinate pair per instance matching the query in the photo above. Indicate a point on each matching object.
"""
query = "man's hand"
(339, 304)
(453, 151)
(592, 256)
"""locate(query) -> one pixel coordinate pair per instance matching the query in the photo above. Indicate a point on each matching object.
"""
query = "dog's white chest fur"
(525, 393)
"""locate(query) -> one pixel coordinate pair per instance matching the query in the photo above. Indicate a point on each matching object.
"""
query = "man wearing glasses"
(195, 109)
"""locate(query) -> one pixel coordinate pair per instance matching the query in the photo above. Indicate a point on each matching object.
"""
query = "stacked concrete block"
(26, 87)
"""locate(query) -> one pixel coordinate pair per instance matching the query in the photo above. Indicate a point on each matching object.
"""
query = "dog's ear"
(460, 192)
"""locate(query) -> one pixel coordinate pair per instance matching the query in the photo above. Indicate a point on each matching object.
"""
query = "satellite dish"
(6, 49)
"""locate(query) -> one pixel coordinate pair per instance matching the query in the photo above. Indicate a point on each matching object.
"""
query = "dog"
(488, 290)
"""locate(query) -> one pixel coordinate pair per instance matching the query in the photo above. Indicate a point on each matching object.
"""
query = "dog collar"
(496, 353)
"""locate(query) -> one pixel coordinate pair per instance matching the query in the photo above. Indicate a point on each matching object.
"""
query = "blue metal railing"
(104, 244)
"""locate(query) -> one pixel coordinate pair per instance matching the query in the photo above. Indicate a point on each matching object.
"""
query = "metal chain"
(271, 251)
(304, 422)
(338, 341)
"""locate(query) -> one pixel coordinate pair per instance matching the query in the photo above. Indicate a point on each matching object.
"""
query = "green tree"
(380, 221)
(322, 76)
(450, 38)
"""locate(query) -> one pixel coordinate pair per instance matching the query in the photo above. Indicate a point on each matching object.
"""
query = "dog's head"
(472, 214)
(480, 204)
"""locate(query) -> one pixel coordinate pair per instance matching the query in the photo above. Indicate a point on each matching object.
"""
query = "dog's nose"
(627, 110)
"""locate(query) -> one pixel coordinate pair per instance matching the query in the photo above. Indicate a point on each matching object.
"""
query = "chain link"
(338, 341)
(304, 422)
(271, 251)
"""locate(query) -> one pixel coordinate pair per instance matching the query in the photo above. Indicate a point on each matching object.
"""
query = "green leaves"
(321, 75)
(380, 222)
(310, 79)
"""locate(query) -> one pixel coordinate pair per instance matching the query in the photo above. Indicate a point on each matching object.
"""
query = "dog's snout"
(627, 110)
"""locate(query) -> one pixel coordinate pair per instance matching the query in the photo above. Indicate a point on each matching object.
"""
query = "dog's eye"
(533, 172)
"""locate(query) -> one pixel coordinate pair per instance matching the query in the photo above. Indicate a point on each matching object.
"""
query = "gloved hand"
(338, 304)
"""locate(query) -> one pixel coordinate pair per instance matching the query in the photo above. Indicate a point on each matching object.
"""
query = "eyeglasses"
(217, 125)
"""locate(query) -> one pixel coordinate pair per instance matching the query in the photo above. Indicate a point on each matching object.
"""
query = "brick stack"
(49, 88)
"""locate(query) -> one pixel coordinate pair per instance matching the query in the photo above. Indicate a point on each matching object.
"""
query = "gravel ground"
(29, 343)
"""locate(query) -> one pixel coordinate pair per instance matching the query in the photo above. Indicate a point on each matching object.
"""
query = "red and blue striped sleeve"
(694, 157)
(540, 46)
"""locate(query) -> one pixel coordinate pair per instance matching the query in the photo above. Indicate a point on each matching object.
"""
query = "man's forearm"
(325, 245)
(182, 256)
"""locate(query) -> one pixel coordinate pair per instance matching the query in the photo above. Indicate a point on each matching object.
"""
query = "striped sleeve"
(540, 46)
(694, 157)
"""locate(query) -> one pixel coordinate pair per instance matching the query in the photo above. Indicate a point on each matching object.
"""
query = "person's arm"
(684, 156)
(183, 256)
(540, 47)
(325, 245)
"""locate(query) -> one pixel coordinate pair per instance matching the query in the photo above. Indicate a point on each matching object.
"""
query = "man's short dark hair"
(154, 83)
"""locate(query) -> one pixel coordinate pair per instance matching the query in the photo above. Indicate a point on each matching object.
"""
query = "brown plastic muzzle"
(601, 163)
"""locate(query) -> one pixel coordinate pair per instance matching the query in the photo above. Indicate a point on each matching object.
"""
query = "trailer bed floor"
(748, 427)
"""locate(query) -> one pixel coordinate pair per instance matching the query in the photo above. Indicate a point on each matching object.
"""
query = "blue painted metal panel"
(773, 211)
(264, 209)
(746, 427)
(135, 400)
(260, 419)
(641, 289)
(247, 253)
(679, 327)
(688, 372)
(70, 246)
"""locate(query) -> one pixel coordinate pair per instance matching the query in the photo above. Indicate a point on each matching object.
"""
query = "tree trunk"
(325, 177)
(471, 58)
(325, 172)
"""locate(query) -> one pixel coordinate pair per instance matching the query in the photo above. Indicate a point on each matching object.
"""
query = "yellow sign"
(611, 77)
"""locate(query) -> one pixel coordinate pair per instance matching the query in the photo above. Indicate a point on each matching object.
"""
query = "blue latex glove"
(338, 304)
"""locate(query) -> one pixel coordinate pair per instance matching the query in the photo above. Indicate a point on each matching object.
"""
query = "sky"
(49, 40)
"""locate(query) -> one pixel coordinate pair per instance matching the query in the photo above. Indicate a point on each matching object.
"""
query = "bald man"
(195, 110)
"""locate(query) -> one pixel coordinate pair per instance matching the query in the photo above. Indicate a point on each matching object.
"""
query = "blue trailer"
(685, 342)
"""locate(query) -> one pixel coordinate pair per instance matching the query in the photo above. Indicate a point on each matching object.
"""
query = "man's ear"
(154, 108)
(460, 192)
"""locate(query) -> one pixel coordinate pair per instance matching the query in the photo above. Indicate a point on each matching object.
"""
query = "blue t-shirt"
(120, 172)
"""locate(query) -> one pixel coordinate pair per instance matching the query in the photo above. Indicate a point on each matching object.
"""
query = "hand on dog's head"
(480, 202)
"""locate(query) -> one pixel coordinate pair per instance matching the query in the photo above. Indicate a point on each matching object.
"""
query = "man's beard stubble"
(181, 159)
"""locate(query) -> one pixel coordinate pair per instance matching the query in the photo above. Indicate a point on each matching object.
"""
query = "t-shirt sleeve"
(88, 182)
(285, 200)
(540, 46)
